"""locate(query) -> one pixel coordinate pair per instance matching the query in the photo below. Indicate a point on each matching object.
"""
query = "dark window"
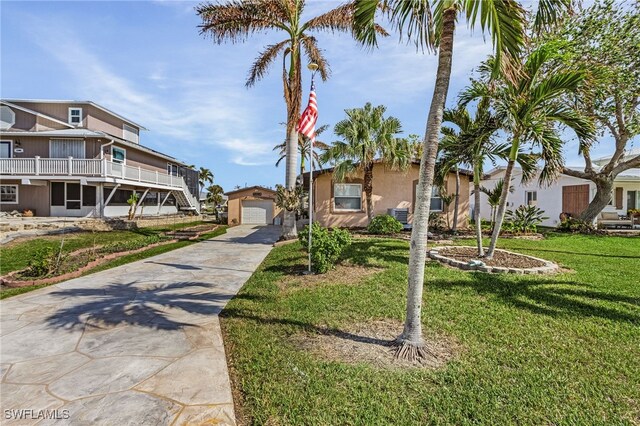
(57, 193)
(73, 205)
(119, 198)
(151, 199)
(88, 196)
(73, 191)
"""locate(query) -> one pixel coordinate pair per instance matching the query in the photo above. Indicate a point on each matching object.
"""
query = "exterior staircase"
(185, 199)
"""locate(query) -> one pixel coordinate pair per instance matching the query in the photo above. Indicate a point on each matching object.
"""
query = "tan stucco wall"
(234, 204)
(391, 189)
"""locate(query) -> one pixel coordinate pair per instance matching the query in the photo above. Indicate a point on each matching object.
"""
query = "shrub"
(524, 219)
(577, 225)
(326, 246)
(436, 222)
(45, 261)
(384, 225)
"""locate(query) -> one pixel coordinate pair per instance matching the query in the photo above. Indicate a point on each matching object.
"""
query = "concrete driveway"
(139, 344)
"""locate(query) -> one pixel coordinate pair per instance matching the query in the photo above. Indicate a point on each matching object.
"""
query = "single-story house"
(255, 205)
(566, 195)
(343, 204)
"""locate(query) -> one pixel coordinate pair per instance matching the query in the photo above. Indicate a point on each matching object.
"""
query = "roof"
(261, 188)
(84, 133)
(57, 101)
(415, 162)
(627, 175)
(36, 113)
(627, 155)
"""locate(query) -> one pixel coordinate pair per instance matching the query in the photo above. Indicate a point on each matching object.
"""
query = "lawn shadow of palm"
(169, 306)
(550, 296)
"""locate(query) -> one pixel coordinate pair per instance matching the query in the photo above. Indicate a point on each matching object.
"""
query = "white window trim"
(526, 198)
(84, 146)
(17, 195)
(125, 155)
(334, 198)
(172, 165)
(69, 116)
(441, 209)
(10, 146)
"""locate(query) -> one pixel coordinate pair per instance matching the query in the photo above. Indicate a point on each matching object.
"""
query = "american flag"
(307, 123)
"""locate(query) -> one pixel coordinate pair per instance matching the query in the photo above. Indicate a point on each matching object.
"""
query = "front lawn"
(561, 349)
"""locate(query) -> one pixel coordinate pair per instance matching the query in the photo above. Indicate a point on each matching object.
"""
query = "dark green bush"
(384, 225)
(576, 225)
(524, 219)
(436, 222)
(326, 246)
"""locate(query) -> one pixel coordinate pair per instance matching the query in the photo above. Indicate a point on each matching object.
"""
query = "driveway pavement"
(139, 344)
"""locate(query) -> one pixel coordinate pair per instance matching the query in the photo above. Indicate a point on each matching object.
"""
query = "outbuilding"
(255, 205)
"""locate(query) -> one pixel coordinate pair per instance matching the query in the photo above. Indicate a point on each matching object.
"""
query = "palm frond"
(550, 14)
(235, 20)
(261, 65)
(310, 46)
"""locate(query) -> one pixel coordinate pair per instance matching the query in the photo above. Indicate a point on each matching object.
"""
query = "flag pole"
(313, 68)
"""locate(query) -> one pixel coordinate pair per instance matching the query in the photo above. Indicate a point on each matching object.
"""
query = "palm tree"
(434, 29)
(493, 197)
(533, 104)
(214, 194)
(368, 136)
(304, 145)
(205, 176)
(235, 20)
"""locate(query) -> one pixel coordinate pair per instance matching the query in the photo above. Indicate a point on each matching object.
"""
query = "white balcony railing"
(86, 167)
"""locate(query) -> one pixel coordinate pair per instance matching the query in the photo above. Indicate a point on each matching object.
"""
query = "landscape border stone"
(548, 268)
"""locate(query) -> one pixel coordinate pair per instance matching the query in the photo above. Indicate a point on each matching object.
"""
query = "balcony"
(60, 167)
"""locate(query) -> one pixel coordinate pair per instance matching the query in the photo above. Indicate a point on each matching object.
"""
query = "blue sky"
(147, 61)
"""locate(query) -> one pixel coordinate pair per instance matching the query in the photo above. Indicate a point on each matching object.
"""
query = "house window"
(7, 118)
(172, 169)
(5, 149)
(130, 133)
(530, 198)
(9, 194)
(347, 196)
(75, 116)
(633, 200)
(437, 204)
(118, 155)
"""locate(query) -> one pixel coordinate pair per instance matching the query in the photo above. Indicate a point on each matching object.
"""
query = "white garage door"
(257, 212)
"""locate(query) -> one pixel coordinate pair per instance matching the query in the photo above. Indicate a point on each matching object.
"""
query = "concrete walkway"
(139, 344)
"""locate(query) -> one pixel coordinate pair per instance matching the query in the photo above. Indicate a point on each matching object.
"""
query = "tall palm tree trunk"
(410, 342)
(456, 206)
(502, 208)
(368, 189)
(289, 230)
(476, 209)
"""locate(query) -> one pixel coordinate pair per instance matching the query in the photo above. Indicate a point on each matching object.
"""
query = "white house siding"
(550, 198)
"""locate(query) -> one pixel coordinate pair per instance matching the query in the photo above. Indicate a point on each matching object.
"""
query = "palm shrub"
(384, 224)
(326, 246)
(525, 219)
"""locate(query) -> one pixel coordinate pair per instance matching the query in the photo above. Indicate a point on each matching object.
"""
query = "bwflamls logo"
(31, 414)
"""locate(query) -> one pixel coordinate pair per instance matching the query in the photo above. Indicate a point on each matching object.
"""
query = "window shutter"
(619, 198)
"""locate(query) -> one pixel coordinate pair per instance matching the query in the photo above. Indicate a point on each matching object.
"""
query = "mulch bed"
(500, 258)
(340, 275)
(372, 343)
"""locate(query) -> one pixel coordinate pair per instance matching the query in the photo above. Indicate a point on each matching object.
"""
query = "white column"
(70, 165)
(37, 166)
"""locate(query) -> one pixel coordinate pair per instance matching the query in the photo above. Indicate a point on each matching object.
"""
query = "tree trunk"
(502, 208)
(604, 186)
(368, 189)
(476, 209)
(289, 230)
(410, 342)
(456, 206)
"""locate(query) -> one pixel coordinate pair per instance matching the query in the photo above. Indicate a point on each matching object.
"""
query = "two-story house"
(77, 158)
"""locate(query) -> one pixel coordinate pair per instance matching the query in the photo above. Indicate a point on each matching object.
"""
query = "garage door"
(257, 212)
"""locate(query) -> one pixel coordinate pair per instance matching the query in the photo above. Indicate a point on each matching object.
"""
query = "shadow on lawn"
(161, 306)
(310, 328)
(551, 297)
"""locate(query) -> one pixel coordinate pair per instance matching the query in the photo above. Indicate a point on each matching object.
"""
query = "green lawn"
(561, 349)
(16, 255)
